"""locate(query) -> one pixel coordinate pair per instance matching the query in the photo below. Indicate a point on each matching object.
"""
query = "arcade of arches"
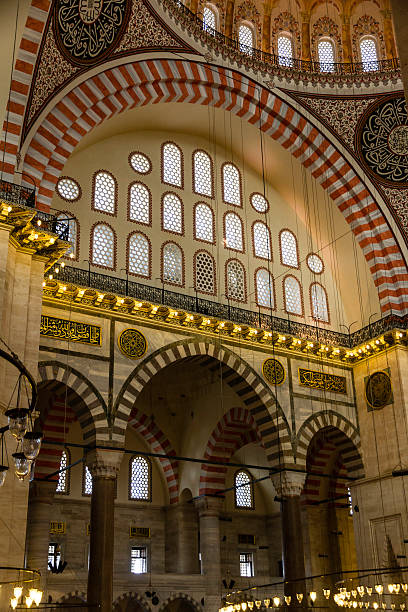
(203, 238)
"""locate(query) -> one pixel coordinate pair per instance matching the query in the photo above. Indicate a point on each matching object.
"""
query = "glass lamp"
(3, 474)
(14, 602)
(17, 421)
(32, 444)
(21, 464)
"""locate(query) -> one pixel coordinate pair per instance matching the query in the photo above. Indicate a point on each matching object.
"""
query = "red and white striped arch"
(236, 429)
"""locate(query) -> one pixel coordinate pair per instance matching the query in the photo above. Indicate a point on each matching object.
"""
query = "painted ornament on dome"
(87, 30)
(383, 141)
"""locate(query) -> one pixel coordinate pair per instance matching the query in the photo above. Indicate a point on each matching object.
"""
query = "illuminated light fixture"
(258, 603)
(18, 591)
(17, 422)
(390, 588)
(384, 605)
(379, 589)
(21, 465)
(354, 592)
(299, 597)
(369, 590)
(3, 474)
(313, 595)
(393, 606)
(251, 605)
(28, 602)
(288, 599)
(348, 594)
(402, 606)
(50, 276)
(396, 588)
(14, 603)
(360, 590)
(62, 264)
(276, 602)
(39, 222)
(354, 604)
(360, 604)
(9, 209)
(326, 593)
(56, 270)
(32, 444)
(267, 602)
(52, 240)
(404, 587)
(43, 284)
(71, 255)
(35, 236)
(244, 606)
(375, 605)
(367, 604)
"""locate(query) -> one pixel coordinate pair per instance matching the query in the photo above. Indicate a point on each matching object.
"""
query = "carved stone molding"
(288, 484)
(104, 463)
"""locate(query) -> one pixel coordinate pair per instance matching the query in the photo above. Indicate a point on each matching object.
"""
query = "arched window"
(209, 19)
(202, 174)
(235, 281)
(288, 249)
(86, 481)
(172, 264)
(203, 223)
(246, 38)
(368, 53)
(231, 184)
(68, 225)
(293, 296)
(325, 50)
(285, 50)
(140, 478)
(172, 214)
(318, 300)
(172, 164)
(262, 240)
(139, 255)
(233, 232)
(204, 272)
(103, 246)
(64, 477)
(265, 292)
(104, 192)
(243, 490)
(140, 204)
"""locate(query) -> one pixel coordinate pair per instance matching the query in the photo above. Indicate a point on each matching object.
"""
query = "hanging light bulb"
(3, 474)
(360, 604)
(299, 597)
(32, 593)
(276, 602)
(402, 606)
(360, 590)
(326, 593)
(17, 421)
(367, 604)
(383, 605)
(397, 588)
(258, 603)
(369, 590)
(21, 464)
(348, 594)
(375, 605)
(288, 599)
(404, 587)
(267, 602)
(32, 444)
(354, 593)
(28, 602)
(251, 605)
(18, 591)
(244, 606)
(14, 602)
(354, 604)
(379, 588)
(313, 595)
(390, 588)
(393, 606)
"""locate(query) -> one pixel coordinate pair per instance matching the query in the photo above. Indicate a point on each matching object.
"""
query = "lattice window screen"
(369, 55)
(172, 165)
(325, 51)
(232, 184)
(103, 245)
(104, 193)
(208, 18)
(202, 167)
(139, 255)
(259, 202)
(204, 273)
(320, 310)
(139, 485)
(172, 213)
(292, 294)
(246, 39)
(264, 289)
(87, 485)
(262, 240)
(139, 203)
(285, 50)
(236, 281)
(62, 486)
(289, 250)
(172, 264)
(243, 490)
(68, 189)
(233, 232)
(204, 223)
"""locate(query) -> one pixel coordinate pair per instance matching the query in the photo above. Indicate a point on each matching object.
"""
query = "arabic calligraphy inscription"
(71, 331)
(322, 381)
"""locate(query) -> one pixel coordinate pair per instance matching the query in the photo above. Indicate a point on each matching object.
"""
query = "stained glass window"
(172, 264)
(369, 54)
(138, 560)
(87, 482)
(139, 203)
(139, 479)
(259, 202)
(172, 213)
(203, 223)
(233, 232)
(314, 263)
(68, 189)
(139, 255)
(325, 50)
(264, 289)
(140, 163)
(231, 184)
(320, 310)
(236, 289)
(66, 221)
(246, 564)
(209, 19)
(204, 270)
(292, 295)
(245, 39)
(103, 246)
(202, 173)
(285, 50)
(262, 240)
(63, 477)
(289, 251)
(243, 490)
(104, 192)
(172, 171)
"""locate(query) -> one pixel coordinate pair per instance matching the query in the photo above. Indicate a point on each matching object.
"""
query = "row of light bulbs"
(34, 596)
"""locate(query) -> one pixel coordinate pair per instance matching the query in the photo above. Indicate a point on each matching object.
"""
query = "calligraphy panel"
(322, 381)
(71, 331)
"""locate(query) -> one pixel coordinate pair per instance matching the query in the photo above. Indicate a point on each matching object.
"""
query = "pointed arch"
(121, 601)
(196, 606)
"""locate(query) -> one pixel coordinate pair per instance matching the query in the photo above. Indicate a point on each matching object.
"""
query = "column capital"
(288, 484)
(209, 505)
(104, 463)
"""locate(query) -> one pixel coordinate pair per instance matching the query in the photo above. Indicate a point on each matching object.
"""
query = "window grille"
(203, 223)
(233, 232)
(103, 246)
(262, 240)
(289, 251)
(325, 50)
(139, 204)
(104, 195)
(87, 483)
(264, 289)
(172, 165)
(369, 55)
(204, 273)
(320, 310)
(259, 203)
(236, 281)
(68, 189)
(202, 173)
(172, 213)
(140, 479)
(172, 264)
(292, 295)
(231, 184)
(314, 263)
(208, 19)
(139, 255)
(246, 564)
(54, 554)
(65, 221)
(138, 560)
(140, 163)
(63, 477)
(243, 490)
(245, 39)
(285, 50)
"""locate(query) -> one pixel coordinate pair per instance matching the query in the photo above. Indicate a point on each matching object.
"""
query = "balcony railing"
(180, 301)
(16, 194)
(54, 224)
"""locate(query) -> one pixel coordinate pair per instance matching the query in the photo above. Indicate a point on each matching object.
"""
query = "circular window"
(140, 163)
(68, 189)
(314, 263)
(260, 203)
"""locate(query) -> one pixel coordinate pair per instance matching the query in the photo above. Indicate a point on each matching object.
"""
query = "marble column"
(104, 466)
(306, 54)
(39, 516)
(209, 519)
(346, 39)
(288, 487)
(182, 539)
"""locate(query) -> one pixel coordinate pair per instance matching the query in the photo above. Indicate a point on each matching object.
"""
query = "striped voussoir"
(343, 434)
(196, 606)
(236, 429)
(148, 429)
(82, 396)
(152, 81)
(269, 418)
